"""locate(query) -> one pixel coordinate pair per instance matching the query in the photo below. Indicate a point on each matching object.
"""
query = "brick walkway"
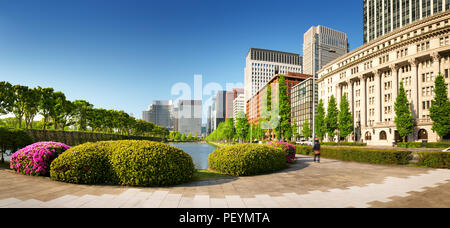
(306, 184)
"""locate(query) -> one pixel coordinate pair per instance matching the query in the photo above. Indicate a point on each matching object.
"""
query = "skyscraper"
(262, 65)
(321, 45)
(190, 117)
(160, 113)
(383, 16)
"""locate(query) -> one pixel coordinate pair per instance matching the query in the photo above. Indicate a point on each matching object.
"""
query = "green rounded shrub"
(129, 162)
(89, 163)
(151, 164)
(247, 160)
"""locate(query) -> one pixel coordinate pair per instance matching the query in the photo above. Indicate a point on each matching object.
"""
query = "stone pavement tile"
(171, 201)
(60, 202)
(201, 201)
(186, 202)
(31, 203)
(136, 200)
(100, 202)
(285, 202)
(218, 203)
(235, 201)
(155, 200)
(252, 203)
(80, 201)
(267, 201)
(9, 201)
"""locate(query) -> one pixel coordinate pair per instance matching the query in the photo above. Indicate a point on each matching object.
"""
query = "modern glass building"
(322, 45)
(384, 16)
(160, 113)
(302, 103)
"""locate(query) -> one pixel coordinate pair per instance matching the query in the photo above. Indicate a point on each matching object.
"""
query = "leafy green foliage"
(306, 129)
(373, 156)
(247, 160)
(345, 118)
(284, 110)
(440, 108)
(403, 117)
(439, 160)
(13, 139)
(331, 120)
(6, 97)
(320, 124)
(132, 163)
(242, 127)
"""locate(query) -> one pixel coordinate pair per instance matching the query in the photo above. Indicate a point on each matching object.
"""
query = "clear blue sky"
(122, 54)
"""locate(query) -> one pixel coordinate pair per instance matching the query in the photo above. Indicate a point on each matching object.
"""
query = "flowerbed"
(35, 159)
(287, 148)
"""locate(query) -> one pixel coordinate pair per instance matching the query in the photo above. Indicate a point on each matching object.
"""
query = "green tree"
(6, 97)
(21, 94)
(320, 123)
(440, 108)
(183, 137)
(32, 101)
(332, 118)
(295, 132)
(190, 138)
(345, 118)
(81, 108)
(306, 129)
(403, 118)
(284, 110)
(242, 127)
(228, 129)
(46, 105)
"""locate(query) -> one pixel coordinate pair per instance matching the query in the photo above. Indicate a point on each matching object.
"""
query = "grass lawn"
(207, 174)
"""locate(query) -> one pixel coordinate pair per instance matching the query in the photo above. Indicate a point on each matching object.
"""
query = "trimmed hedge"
(419, 145)
(129, 162)
(374, 156)
(434, 160)
(343, 144)
(247, 160)
(13, 139)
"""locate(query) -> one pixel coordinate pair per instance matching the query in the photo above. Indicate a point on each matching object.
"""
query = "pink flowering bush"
(35, 159)
(287, 148)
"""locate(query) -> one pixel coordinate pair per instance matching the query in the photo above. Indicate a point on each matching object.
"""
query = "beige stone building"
(371, 75)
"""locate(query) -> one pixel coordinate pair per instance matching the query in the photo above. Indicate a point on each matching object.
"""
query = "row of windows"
(394, 41)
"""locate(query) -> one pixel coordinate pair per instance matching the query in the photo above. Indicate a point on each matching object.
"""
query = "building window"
(368, 136)
(423, 134)
(383, 135)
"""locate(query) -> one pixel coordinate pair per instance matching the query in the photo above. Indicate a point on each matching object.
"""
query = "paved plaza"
(307, 184)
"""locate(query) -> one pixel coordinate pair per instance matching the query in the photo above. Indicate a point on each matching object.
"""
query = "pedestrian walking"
(316, 149)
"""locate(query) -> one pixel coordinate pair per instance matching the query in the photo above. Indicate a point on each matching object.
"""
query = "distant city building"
(219, 114)
(230, 97)
(321, 45)
(190, 117)
(383, 16)
(238, 106)
(160, 113)
(208, 121)
(262, 65)
(254, 105)
(302, 103)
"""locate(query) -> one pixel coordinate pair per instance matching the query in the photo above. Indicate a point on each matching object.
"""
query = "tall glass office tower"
(384, 16)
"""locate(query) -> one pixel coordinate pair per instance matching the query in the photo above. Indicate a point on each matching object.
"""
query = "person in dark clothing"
(316, 150)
